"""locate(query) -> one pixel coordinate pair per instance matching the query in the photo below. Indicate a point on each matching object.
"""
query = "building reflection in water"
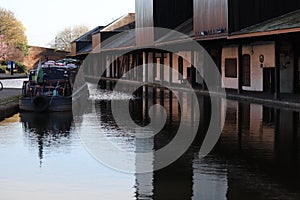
(176, 180)
(256, 157)
(47, 131)
(260, 145)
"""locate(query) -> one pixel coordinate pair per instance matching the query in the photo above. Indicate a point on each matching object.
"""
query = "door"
(246, 70)
(269, 80)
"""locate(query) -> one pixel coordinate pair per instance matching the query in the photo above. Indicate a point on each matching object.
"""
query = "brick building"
(37, 53)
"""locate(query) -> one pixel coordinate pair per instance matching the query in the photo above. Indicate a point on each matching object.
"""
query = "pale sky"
(44, 19)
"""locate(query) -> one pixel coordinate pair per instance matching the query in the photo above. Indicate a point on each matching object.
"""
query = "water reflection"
(158, 184)
(47, 131)
(256, 157)
(260, 144)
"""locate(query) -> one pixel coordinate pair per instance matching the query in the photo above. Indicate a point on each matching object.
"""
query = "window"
(246, 69)
(231, 67)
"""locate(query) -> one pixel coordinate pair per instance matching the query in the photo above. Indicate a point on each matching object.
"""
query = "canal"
(52, 155)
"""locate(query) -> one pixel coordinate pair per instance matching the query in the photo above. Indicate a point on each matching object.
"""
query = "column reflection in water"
(143, 185)
(188, 177)
(260, 146)
(256, 157)
(209, 179)
(210, 173)
(175, 180)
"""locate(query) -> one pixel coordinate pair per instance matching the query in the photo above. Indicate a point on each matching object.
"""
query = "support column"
(277, 70)
(146, 108)
(115, 66)
(171, 104)
(145, 62)
(180, 107)
(140, 73)
(240, 65)
(171, 67)
(103, 70)
(193, 71)
(146, 71)
(128, 66)
(154, 95)
(162, 96)
(193, 108)
(111, 71)
(111, 66)
(161, 67)
(154, 66)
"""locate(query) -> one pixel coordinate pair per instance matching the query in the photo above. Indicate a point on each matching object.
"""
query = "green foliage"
(64, 38)
(2, 69)
(21, 68)
(12, 32)
(12, 28)
(24, 48)
(3, 62)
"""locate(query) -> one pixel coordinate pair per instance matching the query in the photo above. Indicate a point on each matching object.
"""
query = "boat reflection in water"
(257, 155)
(47, 130)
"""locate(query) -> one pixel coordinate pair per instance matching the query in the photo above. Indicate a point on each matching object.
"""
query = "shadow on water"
(256, 157)
(47, 130)
(176, 180)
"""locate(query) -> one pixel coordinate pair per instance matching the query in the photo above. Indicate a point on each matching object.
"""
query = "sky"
(44, 19)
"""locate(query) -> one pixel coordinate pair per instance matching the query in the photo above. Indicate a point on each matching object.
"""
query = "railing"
(49, 88)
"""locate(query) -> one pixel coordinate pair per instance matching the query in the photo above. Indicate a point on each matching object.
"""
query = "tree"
(64, 38)
(13, 40)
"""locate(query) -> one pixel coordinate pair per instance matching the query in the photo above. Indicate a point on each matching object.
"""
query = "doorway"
(269, 80)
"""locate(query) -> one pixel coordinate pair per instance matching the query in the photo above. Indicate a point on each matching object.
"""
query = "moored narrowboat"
(51, 87)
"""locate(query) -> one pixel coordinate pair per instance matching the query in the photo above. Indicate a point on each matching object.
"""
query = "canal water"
(50, 156)
(13, 83)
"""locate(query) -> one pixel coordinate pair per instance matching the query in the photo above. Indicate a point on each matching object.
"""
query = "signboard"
(11, 63)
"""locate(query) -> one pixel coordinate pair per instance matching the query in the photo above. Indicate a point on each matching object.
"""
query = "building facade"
(254, 44)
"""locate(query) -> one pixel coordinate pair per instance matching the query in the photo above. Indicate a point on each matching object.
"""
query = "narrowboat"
(51, 87)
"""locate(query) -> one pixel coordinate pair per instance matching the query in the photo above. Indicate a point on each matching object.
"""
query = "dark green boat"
(51, 87)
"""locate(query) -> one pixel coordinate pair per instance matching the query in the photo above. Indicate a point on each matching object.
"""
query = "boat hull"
(54, 104)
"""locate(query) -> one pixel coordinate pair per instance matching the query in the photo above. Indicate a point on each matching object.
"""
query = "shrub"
(2, 71)
(21, 68)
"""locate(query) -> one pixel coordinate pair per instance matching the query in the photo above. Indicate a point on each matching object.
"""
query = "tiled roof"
(125, 22)
(287, 21)
(121, 40)
(86, 49)
(88, 36)
(181, 32)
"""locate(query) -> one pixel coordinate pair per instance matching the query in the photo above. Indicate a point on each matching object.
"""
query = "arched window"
(246, 70)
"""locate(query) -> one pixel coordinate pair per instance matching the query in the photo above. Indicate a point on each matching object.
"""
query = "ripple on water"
(100, 94)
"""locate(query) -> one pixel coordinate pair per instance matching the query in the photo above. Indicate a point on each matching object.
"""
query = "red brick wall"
(36, 53)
